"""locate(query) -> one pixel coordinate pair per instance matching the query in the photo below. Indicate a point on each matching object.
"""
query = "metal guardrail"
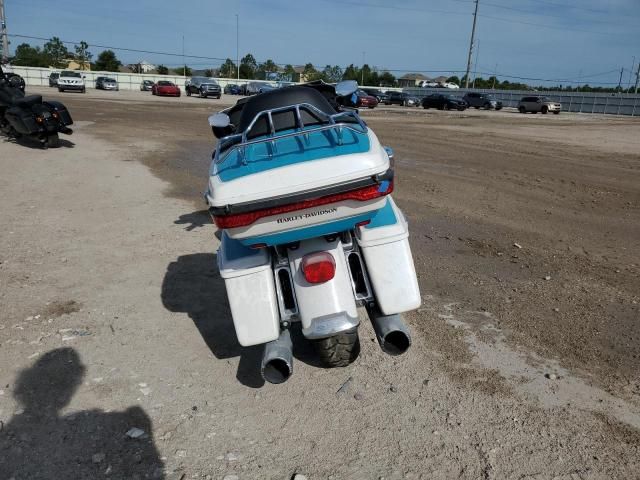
(578, 102)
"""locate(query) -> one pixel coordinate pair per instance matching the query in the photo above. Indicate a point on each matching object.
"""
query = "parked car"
(443, 102)
(450, 85)
(107, 83)
(71, 80)
(165, 89)
(232, 89)
(429, 84)
(203, 86)
(374, 92)
(538, 104)
(266, 87)
(402, 98)
(365, 100)
(53, 79)
(483, 100)
(252, 88)
(146, 85)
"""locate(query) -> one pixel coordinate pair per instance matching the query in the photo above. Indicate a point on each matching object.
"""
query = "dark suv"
(483, 100)
(53, 79)
(203, 86)
(402, 98)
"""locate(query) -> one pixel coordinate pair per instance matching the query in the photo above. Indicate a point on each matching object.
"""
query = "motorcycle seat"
(28, 101)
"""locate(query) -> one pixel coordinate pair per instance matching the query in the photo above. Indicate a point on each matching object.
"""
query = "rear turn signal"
(318, 267)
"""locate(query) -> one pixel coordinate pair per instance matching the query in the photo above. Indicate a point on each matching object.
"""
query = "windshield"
(109, 80)
(165, 84)
(70, 74)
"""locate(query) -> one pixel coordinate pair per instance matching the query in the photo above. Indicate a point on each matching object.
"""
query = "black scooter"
(29, 116)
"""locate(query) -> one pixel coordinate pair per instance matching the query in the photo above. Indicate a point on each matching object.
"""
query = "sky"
(585, 41)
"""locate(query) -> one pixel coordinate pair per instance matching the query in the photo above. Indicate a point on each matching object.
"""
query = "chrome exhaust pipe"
(393, 335)
(277, 360)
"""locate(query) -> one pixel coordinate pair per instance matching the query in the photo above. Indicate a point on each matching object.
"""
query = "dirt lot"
(525, 231)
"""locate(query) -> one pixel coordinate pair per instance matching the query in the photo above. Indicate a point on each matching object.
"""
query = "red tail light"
(318, 267)
(361, 195)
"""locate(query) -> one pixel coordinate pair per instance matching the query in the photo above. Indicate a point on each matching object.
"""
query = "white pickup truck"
(71, 80)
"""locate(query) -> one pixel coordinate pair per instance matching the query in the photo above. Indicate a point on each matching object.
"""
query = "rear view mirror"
(346, 88)
(219, 120)
(221, 124)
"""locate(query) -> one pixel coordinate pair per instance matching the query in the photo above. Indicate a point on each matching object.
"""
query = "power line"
(391, 70)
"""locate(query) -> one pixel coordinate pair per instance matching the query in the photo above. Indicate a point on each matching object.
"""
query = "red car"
(366, 100)
(165, 89)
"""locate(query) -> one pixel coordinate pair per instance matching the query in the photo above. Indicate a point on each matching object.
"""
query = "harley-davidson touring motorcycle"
(30, 116)
(299, 187)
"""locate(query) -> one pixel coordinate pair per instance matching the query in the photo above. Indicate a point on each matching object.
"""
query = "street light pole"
(238, 46)
(3, 33)
(473, 35)
(184, 64)
(362, 71)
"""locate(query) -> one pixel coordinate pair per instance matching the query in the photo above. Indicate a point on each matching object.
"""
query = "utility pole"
(362, 70)
(473, 35)
(3, 33)
(637, 78)
(620, 81)
(495, 75)
(238, 46)
(475, 65)
(184, 64)
(633, 64)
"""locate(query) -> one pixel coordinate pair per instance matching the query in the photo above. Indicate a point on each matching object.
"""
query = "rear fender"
(328, 308)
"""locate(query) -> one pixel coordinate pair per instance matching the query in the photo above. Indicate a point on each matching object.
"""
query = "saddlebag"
(63, 113)
(251, 290)
(24, 121)
(384, 243)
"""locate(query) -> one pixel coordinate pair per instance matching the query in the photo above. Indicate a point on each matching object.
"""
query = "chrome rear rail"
(336, 122)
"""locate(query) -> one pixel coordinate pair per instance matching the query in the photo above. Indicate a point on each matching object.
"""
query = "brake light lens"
(318, 267)
(361, 195)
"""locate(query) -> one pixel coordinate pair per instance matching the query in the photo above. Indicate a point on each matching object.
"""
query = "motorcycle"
(300, 188)
(30, 116)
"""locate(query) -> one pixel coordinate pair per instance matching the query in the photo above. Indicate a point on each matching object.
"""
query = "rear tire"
(188, 92)
(522, 110)
(544, 110)
(339, 350)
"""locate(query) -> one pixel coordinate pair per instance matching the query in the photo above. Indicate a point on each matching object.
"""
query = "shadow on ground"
(40, 443)
(192, 284)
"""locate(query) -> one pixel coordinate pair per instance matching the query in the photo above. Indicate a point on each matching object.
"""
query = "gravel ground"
(119, 358)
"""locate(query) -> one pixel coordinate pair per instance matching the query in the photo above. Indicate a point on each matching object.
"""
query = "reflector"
(318, 267)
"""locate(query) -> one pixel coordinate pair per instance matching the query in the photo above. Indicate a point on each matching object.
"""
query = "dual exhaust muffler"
(391, 332)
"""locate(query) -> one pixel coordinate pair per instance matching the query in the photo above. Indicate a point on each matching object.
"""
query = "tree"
(332, 74)
(83, 55)
(186, 71)
(228, 69)
(135, 67)
(28, 56)
(56, 52)
(289, 74)
(351, 73)
(386, 79)
(266, 68)
(248, 67)
(310, 73)
(208, 72)
(107, 62)
(162, 70)
(453, 79)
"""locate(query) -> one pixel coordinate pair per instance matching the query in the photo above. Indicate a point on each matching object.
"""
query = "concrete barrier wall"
(127, 81)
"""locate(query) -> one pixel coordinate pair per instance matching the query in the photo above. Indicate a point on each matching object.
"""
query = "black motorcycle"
(30, 116)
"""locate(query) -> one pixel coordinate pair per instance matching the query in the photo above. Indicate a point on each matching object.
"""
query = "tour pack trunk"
(299, 186)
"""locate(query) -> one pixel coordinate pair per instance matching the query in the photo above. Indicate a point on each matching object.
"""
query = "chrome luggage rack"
(336, 122)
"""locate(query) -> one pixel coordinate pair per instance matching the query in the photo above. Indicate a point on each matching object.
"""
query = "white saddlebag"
(387, 254)
(248, 278)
